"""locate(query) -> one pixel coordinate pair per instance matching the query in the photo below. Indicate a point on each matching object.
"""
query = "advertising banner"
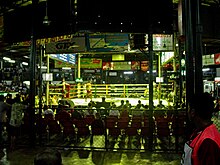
(68, 58)
(90, 63)
(61, 64)
(217, 58)
(74, 45)
(115, 42)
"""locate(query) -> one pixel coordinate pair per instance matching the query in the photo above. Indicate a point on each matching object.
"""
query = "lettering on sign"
(65, 45)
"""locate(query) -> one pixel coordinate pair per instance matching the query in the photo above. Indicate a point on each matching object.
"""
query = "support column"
(32, 76)
(190, 79)
(150, 49)
(198, 49)
(79, 76)
(47, 83)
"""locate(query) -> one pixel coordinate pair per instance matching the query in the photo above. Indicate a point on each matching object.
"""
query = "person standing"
(4, 108)
(203, 146)
(88, 90)
(17, 114)
(65, 88)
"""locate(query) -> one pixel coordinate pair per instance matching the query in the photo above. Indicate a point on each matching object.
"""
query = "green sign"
(79, 80)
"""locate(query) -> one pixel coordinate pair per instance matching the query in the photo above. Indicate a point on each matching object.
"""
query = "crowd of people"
(201, 147)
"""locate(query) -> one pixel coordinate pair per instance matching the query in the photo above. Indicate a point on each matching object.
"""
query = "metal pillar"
(150, 49)
(40, 93)
(198, 49)
(32, 76)
(189, 51)
(48, 83)
(159, 75)
(79, 76)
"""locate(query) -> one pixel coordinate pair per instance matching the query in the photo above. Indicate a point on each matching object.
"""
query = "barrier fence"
(130, 132)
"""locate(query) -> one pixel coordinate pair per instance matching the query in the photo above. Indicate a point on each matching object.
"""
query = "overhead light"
(24, 63)
(128, 72)
(205, 69)
(25, 56)
(42, 67)
(6, 58)
(11, 61)
(66, 68)
(13, 51)
(46, 20)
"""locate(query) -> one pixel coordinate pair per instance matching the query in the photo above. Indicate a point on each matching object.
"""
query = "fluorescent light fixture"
(42, 67)
(11, 61)
(154, 71)
(27, 83)
(66, 68)
(6, 58)
(128, 72)
(26, 57)
(13, 51)
(205, 69)
(24, 63)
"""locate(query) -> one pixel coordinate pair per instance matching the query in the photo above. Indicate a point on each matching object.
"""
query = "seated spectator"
(137, 112)
(98, 122)
(128, 104)
(97, 126)
(104, 104)
(120, 107)
(160, 105)
(63, 112)
(76, 114)
(47, 110)
(124, 113)
(139, 105)
(48, 157)
(112, 105)
(114, 112)
(90, 110)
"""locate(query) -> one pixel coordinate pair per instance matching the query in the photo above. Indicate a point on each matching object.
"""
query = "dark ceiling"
(211, 44)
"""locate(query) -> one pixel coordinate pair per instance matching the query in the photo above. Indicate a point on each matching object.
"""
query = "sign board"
(74, 45)
(69, 58)
(47, 76)
(90, 63)
(61, 64)
(166, 56)
(79, 80)
(161, 42)
(115, 42)
(209, 59)
(217, 58)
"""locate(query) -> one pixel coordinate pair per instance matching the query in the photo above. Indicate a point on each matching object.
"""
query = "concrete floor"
(25, 156)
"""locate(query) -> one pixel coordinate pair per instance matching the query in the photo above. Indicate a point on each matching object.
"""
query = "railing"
(108, 90)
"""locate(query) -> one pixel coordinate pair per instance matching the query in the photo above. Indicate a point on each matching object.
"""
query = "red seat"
(82, 128)
(54, 127)
(89, 119)
(48, 117)
(68, 129)
(41, 126)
